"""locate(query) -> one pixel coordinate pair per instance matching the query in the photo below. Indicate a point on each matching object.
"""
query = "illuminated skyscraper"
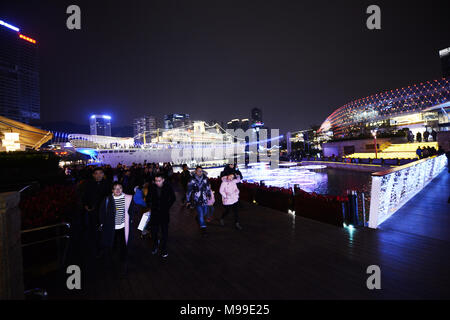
(100, 125)
(256, 118)
(19, 75)
(176, 120)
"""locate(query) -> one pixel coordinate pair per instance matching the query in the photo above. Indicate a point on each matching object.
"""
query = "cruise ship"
(197, 144)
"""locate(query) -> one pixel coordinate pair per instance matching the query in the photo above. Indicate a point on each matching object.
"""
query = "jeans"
(202, 211)
(209, 211)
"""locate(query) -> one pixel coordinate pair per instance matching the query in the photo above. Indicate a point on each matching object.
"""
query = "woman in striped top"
(115, 222)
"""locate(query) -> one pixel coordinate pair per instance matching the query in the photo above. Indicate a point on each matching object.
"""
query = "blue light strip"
(3, 23)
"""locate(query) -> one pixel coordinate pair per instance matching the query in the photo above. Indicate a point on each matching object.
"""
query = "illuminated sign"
(408, 119)
(10, 142)
(258, 124)
(3, 23)
(103, 116)
(21, 36)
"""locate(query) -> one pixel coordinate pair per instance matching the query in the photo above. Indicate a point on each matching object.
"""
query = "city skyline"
(283, 60)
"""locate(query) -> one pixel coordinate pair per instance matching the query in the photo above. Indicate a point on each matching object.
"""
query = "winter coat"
(160, 204)
(229, 191)
(95, 192)
(108, 220)
(198, 190)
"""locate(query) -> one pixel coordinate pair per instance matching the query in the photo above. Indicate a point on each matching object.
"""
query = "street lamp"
(374, 133)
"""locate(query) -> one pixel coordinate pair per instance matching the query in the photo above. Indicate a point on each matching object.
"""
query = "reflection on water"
(328, 181)
(335, 181)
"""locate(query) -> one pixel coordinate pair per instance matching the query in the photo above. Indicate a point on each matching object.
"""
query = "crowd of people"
(426, 152)
(112, 198)
(426, 136)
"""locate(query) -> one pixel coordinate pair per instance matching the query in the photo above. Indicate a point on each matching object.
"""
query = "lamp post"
(374, 133)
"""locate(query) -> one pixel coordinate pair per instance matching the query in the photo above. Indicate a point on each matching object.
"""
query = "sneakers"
(155, 250)
(238, 226)
(222, 222)
(164, 254)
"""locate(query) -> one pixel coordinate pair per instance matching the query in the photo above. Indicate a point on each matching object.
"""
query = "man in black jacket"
(185, 177)
(161, 198)
(94, 193)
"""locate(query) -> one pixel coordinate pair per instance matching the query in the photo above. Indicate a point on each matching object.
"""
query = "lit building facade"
(19, 75)
(238, 124)
(143, 124)
(100, 125)
(176, 120)
(144, 128)
(415, 107)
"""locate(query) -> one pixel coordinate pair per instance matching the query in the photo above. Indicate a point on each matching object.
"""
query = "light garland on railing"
(392, 190)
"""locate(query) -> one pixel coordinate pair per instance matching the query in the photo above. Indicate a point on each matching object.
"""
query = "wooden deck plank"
(279, 256)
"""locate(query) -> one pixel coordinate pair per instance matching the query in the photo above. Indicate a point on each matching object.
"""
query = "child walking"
(230, 198)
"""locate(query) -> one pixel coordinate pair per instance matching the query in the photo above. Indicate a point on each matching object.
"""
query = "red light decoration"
(21, 36)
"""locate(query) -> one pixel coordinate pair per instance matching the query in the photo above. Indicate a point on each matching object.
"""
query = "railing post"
(11, 269)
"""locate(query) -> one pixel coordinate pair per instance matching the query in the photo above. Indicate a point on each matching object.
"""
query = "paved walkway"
(278, 256)
(427, 214)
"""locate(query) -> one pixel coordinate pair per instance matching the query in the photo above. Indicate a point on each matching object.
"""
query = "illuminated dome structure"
(417, 104)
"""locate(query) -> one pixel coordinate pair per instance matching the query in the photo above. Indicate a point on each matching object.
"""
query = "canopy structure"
(15, 135)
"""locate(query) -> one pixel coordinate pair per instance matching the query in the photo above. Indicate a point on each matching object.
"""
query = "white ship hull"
(176, 156)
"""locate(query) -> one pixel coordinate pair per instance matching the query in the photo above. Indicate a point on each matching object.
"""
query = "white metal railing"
(392, 188)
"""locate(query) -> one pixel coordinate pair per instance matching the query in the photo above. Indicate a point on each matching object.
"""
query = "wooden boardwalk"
(280, 256)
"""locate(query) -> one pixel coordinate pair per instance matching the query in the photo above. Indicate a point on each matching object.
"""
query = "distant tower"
(256, 115)
(445, 62)
(100, 125)
(19, 75)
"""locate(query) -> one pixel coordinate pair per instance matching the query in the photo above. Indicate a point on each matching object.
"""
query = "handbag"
(212, 200)
(144, 220)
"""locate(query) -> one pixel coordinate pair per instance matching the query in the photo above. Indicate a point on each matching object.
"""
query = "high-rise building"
(238, 124)
(19, 75)
(245, 124)
(445, 62)
(100, 125)
(144, 125)
(256, 118)
(176, 120)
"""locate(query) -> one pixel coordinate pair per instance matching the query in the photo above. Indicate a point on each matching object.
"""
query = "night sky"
(296, 60)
